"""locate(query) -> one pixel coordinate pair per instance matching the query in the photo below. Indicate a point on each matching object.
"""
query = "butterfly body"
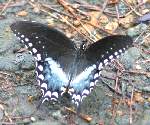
(63, 68)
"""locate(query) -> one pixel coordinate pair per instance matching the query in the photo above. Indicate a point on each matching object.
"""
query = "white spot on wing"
(116, 53)
(38, 57)
(100, 66)
(36, 64)
(83, 97)
(26, 39)
(105, 61)
(96, 76)
(111, 57)
(42, 92)
(30, 44)
(45, 99)
(120, 51)
(85, 92)
(36, 73)
(38, 81)
(74, 95)
(78, 97)
(44, 85)
(41, 77)
(70, 91)
(92, 84)
(18, 38)
(99, 73)
(117, 56)
(34, 50)
(55, 94)
(40, 67)
(48, 93)
(22, 36)
(54, 99)
(77, 103)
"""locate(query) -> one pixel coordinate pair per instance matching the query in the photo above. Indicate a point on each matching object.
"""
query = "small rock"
(33, 119)
(138, 67)
(57, 114)
(111, 26)
(134, 31)
(129, 57)
(22, 13)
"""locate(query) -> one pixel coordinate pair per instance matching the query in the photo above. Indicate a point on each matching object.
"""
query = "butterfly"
(61, 67)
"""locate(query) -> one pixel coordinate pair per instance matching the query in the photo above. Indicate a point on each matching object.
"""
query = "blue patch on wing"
(83, 84)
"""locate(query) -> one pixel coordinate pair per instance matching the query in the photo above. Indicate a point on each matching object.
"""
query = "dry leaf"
(119, 112)
(111, 27)
(138, 97)
(113, 1)
(144, 11)
(22, 13)
(148, 99)
(127, 21)
(103, 19)
(131, 1)
(129, 102)
(146, 42)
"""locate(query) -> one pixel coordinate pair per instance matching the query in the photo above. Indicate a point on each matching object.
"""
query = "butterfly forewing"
(107, 49)
(40, 39)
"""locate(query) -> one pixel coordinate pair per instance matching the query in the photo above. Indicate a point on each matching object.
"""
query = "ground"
(121, 97)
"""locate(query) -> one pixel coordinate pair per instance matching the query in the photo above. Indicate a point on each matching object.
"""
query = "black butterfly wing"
(54, 54)
(97, 55)
(108, 48)
(40, 39)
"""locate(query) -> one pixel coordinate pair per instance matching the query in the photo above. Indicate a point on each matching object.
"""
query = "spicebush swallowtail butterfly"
(62, 67)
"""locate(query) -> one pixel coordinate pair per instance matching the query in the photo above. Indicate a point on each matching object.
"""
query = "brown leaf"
(127, 21)
(22, 13)
(111, 27)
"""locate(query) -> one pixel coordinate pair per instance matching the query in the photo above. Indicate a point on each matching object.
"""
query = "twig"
(71, 9)
(55, 10)
(131, 101)
(7, 123)
(4, 8)
(132, 9)
(138, 72)
(117, 12)
(83, 116)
